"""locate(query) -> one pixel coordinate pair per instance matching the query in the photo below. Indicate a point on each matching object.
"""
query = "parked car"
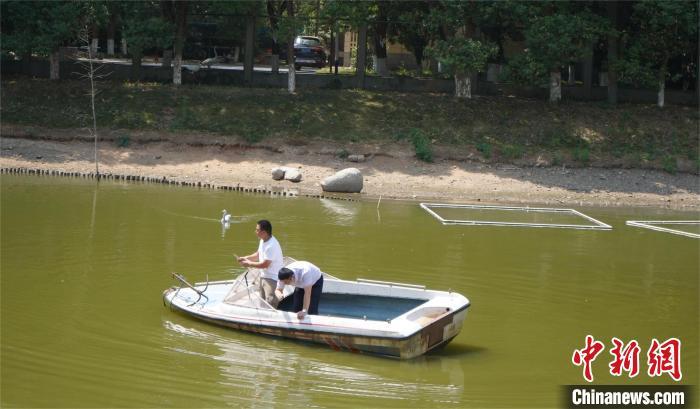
(308, 52)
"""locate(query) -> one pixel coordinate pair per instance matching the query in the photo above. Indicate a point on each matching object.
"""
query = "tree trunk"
(272, 17)
(612, 53)
(291, 70)
(361, 55)
(588, 74)
(55, 65)
(249, 45)
(418, 54)
(275, 62)
(180, 31)
(661, 95)
(463, 85)
(572, 73)
(380, 38)
(124, 48)
(135, 65)
(111, 30)
(95, 43)
(555, 86)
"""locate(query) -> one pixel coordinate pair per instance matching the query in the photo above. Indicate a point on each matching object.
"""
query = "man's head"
(285, 275)
(263, 229)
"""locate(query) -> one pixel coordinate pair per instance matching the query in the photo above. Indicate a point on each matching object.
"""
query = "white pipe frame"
(650, 224)
(597, 224)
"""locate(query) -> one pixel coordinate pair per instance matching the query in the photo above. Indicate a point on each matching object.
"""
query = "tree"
(41, 27)
(661, 31)
(560, 38)
(412, 28)
(381, 26)
(274, 12)
(144, 28)
(460, 55)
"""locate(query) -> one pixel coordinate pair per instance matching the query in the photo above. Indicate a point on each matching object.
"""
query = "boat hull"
(434, 335)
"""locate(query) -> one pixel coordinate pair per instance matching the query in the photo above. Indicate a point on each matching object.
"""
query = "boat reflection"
(274, 372)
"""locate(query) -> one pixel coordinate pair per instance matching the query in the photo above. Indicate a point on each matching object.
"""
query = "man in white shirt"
(308, 280)
(268, 258)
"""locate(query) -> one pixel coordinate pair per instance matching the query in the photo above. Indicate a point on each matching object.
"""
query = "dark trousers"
(316, 290)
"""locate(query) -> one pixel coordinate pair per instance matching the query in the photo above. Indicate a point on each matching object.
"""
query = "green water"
(83, 324)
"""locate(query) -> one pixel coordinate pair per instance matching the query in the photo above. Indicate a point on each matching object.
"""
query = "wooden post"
(249, 44)
(361, 55)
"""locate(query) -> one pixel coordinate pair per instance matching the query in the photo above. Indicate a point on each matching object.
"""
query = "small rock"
(39, 157)
(356, 158)
(158, 157)
(278, 173)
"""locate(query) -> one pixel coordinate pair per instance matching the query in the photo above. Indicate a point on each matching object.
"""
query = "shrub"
(582, 154)
(512, 151)
(422, 145)
(485, 149)
(123, 141)
(669, 164)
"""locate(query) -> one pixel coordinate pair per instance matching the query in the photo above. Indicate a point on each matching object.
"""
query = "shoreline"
(389, 172)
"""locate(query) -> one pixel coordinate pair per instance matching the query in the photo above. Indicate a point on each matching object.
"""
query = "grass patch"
(629, 133)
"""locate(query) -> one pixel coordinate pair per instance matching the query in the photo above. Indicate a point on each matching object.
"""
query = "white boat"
(377, 317)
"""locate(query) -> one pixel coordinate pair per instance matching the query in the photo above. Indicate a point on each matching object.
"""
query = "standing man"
(308, 280)
(268, 258)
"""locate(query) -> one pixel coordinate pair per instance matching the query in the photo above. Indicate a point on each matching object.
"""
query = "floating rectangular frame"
(650, 224)
(597, 225)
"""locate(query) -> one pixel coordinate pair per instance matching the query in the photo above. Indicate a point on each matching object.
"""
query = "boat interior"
(361, 299)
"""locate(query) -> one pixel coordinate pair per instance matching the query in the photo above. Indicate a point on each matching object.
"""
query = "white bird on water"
(225, 217)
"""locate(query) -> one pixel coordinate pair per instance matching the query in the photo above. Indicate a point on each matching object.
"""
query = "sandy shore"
(390, 171)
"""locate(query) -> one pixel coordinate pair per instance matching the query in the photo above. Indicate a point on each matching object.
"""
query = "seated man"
(308, 280)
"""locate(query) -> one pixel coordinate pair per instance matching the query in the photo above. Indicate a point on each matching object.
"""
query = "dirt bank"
(390, 171)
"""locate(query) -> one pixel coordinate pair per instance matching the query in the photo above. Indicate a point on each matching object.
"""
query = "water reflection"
(342, 213)
(265, 374)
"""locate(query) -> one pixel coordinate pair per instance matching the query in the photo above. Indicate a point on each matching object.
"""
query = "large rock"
(347, 180)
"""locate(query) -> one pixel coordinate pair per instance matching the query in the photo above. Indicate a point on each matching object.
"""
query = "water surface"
(83, 267)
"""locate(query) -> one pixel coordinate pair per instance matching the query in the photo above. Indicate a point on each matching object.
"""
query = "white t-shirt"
(305, 274)
(271, 250)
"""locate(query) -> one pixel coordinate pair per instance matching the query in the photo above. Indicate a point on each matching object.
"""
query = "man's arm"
(248, 259)
(256, 264)
(307, 301)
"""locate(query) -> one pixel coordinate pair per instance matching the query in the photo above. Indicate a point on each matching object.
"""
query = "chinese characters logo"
(662, 358)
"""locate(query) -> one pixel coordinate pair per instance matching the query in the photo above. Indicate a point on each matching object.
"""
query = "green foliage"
(661, 30)
(252, 134)
(40, 27)
(342, 153)
(561, 38)
(669, 164)
(123, 141)
(582, 153)
(524, 69)
(512, 151)
(557, 158)
(485, 148)
(462, 55)
(144, 27)
(421, 143)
